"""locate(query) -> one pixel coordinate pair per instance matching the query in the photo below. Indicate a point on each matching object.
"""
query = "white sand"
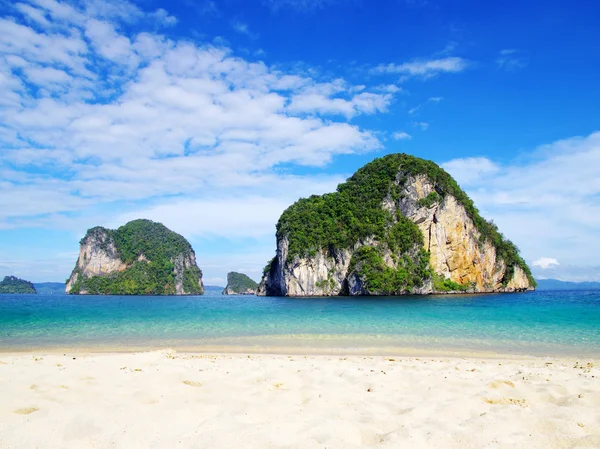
(164, 399)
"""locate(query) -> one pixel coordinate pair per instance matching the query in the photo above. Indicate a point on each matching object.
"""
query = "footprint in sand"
(26, 411)
(507, 401)
(501, 383)
(192, 383)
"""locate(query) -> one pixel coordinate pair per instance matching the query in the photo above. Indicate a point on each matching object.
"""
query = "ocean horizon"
(559, 323)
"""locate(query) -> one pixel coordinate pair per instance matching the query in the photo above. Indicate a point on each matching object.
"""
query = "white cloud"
(469, 170)
(362, 103)
(401, 135)
(389, 88)
(34, 14)
(425, 68)
(119, 117)
(44, 75)
(109, 43)
(164, 18)
(546, 204)
(545, 262)
(423, 126)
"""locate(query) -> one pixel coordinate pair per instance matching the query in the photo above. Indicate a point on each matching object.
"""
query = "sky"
(214, 116)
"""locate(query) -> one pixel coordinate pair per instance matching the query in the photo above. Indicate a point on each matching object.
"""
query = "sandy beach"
(168, 399)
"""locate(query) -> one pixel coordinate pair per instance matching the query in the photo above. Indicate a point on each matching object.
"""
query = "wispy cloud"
(314, 101)
(425, 68)
(434, 100)
(243, 28)
(545, 262)
(302, 5)
(423, 126)
(511, 60)
(401, 135)
(203, 7)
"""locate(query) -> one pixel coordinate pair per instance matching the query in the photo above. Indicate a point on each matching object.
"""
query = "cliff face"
(452, 240)
(327, 273)
(139, 258)
(98, 256)
(459, 257)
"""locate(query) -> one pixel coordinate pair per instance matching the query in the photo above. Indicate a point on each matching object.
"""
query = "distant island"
(213, 289)
(400, 225)
(139, 258)
(554, 284)
(12, 284)
(50, 288)
(239, 284)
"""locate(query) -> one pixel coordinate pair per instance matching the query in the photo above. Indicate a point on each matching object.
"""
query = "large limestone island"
(239, 284)
(399, 225)
(140, 258)
(12, 284)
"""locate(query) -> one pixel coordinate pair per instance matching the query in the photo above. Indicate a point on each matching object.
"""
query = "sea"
(541, 323)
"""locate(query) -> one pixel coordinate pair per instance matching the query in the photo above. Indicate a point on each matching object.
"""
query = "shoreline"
(319, 344)
(409, 352)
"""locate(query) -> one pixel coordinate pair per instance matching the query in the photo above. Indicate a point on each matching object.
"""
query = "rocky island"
(239, 284)
(12, 284)
(139, 258)
(399, 225)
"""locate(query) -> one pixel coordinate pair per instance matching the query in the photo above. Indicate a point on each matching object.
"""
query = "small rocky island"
(12, 284)
(400, 225)
(239, 284)
(139, 258)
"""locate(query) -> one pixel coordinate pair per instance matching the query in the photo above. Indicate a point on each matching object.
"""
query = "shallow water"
(534, 323)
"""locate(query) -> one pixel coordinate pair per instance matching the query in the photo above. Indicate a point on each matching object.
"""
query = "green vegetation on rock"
(12, 284)
(354, 212)
(429, 200)
(441, 284)
(412, 270)
(151, 252)
(239, 283)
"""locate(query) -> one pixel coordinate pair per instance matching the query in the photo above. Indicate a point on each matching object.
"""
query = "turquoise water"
(537, 323)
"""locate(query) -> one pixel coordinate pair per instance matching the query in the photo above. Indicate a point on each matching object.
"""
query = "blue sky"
(213, 116)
